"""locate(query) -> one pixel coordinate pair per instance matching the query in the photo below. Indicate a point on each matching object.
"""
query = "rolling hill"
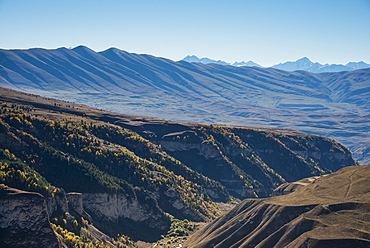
(335, 105)
(332, 211)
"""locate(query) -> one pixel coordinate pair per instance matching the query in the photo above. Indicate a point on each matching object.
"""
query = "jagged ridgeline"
(163, 169)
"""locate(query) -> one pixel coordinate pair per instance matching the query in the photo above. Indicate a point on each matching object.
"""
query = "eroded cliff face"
(111, 207)
(252, 162)
(24, 220)
(124, 215)
(117, 213)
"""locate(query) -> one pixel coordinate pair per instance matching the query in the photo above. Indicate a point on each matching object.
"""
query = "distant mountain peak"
(82, 48)
(195, 59)
(205, 60)
(191, 58)
(302, 64)
(306, 64)
(113, 49)
(305, 59)
(248, 63)
(357, 65)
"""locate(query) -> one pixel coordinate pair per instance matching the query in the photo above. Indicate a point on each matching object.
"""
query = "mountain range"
(303, 64)
(195, 59)
(335, 105)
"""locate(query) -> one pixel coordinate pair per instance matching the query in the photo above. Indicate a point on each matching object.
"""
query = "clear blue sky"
(264, 31)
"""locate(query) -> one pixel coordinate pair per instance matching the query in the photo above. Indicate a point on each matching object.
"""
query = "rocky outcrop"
(24, 220)
(75, 203)
(57, 204)
(287, 188)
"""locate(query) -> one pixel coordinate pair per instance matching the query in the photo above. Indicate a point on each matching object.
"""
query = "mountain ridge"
(335, 105)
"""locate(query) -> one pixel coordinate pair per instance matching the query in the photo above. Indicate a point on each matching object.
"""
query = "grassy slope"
(331, 212)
